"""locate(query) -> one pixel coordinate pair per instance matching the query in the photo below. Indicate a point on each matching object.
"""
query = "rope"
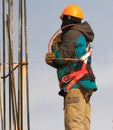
(49, 44)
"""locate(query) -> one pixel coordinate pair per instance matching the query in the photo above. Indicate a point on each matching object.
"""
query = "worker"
(71, 56)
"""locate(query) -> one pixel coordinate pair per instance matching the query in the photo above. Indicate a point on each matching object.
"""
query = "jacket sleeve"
(54, 65)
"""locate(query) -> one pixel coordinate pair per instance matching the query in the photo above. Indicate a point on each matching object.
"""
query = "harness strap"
(77, 77)
(73, 77)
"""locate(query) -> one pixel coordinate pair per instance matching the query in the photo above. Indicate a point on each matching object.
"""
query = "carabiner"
(65, 81)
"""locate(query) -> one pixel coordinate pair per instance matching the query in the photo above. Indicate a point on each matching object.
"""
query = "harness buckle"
(64, 80)
(65, 90)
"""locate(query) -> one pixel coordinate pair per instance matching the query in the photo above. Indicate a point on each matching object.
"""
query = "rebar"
(13, 95)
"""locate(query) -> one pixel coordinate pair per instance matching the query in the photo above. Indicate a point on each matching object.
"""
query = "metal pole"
(26, 57)
(12, 95)
(16, 112)
(4, 59)
(20, 76)
(1, 111)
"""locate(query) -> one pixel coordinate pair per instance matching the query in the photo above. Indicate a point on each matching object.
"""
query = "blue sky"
(46, 107)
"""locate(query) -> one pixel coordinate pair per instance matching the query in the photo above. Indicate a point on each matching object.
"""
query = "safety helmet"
(73, 10)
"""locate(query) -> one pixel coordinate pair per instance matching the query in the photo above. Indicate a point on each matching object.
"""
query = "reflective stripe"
(83, 58)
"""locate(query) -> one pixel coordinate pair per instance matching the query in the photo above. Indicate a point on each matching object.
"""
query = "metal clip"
(63, 79)
(66, 91)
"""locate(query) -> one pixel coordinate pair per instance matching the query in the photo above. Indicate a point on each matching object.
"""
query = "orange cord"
(49, 50)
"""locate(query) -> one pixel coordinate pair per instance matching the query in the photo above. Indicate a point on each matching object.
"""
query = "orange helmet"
(73, 10)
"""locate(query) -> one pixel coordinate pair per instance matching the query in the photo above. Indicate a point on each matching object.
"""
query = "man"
(71, 56)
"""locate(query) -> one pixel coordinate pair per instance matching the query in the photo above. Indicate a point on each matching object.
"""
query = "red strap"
(69, 77)
(73, 81)
(74, 77)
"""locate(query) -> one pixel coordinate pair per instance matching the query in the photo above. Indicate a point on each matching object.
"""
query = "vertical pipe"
(9, 39)
(1, 111)
(12, 96)
(20, 76)
(12, 92)
(4, 59)
(26, 57)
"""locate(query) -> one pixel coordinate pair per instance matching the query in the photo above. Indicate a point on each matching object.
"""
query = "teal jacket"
(73, 45)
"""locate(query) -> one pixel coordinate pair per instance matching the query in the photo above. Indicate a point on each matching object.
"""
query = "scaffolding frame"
(14, 81)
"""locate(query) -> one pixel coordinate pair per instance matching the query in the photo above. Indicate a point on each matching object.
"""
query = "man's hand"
(56, 41)
(49, 57)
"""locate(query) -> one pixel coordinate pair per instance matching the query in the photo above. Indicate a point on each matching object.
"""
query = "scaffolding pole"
(14, 72)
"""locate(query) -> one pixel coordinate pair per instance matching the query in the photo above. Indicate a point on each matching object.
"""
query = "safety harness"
(74, 77)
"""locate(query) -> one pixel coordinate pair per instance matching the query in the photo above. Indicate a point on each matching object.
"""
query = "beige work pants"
(76, 111)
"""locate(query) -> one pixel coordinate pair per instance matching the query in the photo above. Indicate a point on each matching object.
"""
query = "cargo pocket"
(70, 100)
